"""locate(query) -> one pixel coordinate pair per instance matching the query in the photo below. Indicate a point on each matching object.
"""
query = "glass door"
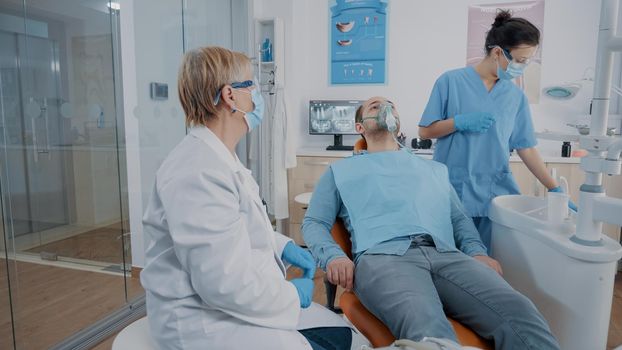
(6, 321)
(35, 176)
(64, 246)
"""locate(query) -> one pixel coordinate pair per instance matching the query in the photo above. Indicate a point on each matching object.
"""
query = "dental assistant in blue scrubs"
(479, 115)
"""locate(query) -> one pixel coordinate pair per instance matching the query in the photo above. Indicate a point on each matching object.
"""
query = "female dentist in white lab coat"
(214, 274)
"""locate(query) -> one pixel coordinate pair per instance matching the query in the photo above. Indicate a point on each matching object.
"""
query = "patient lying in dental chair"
(417, 256)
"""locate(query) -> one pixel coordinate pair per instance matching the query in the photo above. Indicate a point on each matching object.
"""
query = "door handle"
(35, 143)
(46, 119)
(316, 163)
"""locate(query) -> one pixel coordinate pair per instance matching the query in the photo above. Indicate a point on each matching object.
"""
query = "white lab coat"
(277, 153)
(284, 155)
(214, 278)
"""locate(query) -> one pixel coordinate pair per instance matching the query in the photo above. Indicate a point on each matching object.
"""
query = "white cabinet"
(272, 29)
(302, 179)
(527, 183)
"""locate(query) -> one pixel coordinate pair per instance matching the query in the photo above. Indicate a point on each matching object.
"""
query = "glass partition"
(60, 172)
(81, 138)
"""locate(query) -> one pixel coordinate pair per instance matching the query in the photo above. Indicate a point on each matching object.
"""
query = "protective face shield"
(514, 69)
(385, 118)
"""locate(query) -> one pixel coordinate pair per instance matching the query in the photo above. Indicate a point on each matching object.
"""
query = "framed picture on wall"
(357, 43)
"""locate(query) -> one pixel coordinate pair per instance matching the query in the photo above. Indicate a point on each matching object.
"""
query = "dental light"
(562, 92)
(568, 91)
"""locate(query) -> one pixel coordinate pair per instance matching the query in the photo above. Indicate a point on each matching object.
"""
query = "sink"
(527, 216)
(522, 212)
(571, 284)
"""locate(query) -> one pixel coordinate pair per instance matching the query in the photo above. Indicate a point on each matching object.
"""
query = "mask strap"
(233, 110)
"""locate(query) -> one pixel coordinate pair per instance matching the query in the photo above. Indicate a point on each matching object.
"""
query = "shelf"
(553, 136)
(272, 29)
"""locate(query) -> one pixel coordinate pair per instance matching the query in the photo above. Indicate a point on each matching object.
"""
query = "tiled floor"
(50, 303)
(104, 245)
(101, 245)
(79, 297)
(615, 327)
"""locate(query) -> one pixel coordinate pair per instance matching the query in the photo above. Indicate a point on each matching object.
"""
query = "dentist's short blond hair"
(203, 73)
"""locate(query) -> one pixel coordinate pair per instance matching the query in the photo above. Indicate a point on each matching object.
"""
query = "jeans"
(412, 293)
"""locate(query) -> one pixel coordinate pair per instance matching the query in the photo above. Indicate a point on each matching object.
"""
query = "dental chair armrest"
(331, 294)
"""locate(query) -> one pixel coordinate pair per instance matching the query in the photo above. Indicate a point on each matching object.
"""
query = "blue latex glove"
(478, 122)
(299, 257)
(571, 204)
(304, 287)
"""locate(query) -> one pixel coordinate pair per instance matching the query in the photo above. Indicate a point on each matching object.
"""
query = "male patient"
(417, 255)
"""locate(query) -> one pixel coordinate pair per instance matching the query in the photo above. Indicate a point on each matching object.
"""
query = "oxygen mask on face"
(385, 119)
(390, 122)
(386, 114)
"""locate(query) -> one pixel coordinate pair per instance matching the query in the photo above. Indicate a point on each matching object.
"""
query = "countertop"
(427, 154)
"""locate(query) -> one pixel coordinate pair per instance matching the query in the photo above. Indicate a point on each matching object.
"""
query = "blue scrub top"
(479, 163)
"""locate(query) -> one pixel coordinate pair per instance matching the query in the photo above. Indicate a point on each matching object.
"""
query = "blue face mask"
(514, 70)
(511, 72)
(254, 117)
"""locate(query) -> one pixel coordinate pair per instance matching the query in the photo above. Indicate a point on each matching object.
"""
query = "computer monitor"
(333, 117)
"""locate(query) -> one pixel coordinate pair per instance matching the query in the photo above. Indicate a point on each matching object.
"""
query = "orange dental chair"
(370, 326)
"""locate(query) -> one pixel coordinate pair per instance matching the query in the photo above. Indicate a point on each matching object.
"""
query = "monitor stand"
(338, 145)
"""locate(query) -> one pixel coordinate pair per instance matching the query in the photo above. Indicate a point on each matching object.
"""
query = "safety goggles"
(235, 85)
(524, 63)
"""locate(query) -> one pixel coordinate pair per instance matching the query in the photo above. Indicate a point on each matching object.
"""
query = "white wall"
(426, 38)
(152, 47)
(204, 23)
(153, 42)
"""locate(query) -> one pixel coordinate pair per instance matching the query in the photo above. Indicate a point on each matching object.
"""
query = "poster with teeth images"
(358, 42)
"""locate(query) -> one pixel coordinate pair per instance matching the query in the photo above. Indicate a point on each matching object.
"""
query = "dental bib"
(394, 194)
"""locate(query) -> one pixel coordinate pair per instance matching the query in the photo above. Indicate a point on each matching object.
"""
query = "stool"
(136, 336)
(303, 198)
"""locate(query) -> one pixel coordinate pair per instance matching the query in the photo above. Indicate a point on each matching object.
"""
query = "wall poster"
(358, 32)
